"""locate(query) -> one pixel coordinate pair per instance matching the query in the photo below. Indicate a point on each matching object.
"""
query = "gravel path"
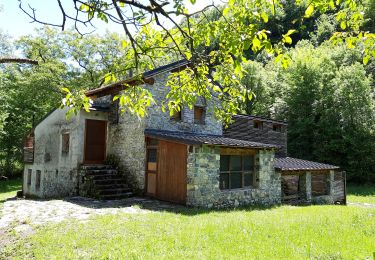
(22, 215)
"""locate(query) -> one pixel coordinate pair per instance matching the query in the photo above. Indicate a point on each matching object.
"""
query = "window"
(29, 173)
(37, 180)
(319, 184)
(151, 165)
(199, 114)
(277, 128)
(258, 124)
(65, 143)
(236, 171)
(177, 116)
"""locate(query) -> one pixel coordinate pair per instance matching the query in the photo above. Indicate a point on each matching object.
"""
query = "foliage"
(266, 233)
(328, 100)
(28, 93)
(361, 193)
(9, 189)
(204, 40)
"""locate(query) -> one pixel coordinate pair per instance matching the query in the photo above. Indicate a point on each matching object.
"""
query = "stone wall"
(156, 119)
(126, 135)
(203, 173)
(58, 171)
(127, 142)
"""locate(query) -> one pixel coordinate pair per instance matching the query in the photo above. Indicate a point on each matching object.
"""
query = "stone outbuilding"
(186, 158)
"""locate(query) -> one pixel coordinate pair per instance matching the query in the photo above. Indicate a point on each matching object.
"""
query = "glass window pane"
(248, 163)
(224, 181)
(235, 163)
(236, 180)
(224, 163)
(248, 178)
(151, 155)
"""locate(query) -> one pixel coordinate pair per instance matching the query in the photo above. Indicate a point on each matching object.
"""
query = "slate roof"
(197, 139)
(262, 118)
(294, 164)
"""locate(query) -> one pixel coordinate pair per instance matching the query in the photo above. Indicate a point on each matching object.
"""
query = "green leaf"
(287, 40)
(309, 11)
(343, 25)
(65, 90)
(264, 17)
(256, 44)
(290, 32)
(246, 44)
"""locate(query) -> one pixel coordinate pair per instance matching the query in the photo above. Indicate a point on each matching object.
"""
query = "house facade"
(186, 158)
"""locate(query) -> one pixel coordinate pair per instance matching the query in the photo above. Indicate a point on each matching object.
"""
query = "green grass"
(286, 232)
(9, 189)
(361, 193)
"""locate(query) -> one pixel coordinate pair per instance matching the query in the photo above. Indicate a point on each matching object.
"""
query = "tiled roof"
(261, 118)
(293, 164)
(196, 139)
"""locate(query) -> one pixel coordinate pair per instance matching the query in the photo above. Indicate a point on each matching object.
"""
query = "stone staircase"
(103, 182)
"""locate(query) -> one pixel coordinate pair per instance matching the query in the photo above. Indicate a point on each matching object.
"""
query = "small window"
(29, 173)
(199, 114)
(177, 116)
(277, 128)
(37, 179)
(151, 155)
(236, 171)
(65, 143)
(258, 124)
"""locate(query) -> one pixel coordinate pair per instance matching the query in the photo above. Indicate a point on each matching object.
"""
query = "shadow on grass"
(158, 206)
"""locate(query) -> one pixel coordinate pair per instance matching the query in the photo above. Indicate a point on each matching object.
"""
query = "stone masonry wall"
(127, 140)
(203, 181)
(156, 119)
(58, 171)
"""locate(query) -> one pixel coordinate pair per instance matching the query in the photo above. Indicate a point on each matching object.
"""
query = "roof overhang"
(205, 139)
(289, 164)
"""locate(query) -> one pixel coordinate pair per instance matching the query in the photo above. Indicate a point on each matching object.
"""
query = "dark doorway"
(95, 141)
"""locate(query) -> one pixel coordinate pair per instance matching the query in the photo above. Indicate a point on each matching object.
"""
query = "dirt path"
(22, 216)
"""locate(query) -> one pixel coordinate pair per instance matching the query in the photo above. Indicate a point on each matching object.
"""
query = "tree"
(327, 97)
(29, 92)
(247, 22)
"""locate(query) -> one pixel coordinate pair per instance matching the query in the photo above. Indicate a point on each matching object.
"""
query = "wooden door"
(95, 141)
(171, 175)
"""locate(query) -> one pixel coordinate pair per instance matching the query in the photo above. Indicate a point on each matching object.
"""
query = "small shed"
(305, 181)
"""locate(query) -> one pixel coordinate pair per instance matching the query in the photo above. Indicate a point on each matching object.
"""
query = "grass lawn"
(325, 232)
(9, 189)
(362, 194)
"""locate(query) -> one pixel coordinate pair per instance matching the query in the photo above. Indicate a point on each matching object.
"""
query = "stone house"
(187, 158)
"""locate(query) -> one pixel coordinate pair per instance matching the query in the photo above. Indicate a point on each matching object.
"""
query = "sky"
(16, 23)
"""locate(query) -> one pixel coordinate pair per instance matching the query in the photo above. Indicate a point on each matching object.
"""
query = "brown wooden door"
(95, 141)
(171, 175)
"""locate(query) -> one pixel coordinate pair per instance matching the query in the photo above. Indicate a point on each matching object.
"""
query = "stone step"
(112, 185)
(113, 191)
(105, 176)
(109, 181)
(101, 172)
(97, 167)
(116, 196)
